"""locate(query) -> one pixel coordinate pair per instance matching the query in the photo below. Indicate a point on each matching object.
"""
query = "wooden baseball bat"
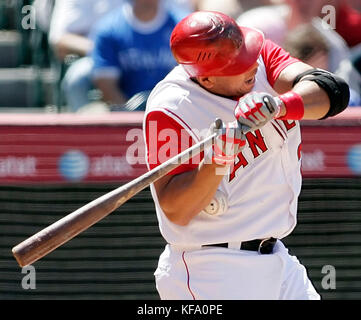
(63, 230)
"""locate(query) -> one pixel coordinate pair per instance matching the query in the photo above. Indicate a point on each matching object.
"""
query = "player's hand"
(229, 142)
(256, 109)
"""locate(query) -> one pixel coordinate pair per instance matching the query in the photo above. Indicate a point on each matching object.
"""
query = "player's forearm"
(186, 194)
(315, 100)
(309, 93)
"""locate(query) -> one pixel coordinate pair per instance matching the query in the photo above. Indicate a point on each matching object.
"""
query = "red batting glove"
(226, 146)
(256, 109)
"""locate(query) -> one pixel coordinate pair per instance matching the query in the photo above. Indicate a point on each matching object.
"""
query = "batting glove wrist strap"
(294, 106)
(226, 146)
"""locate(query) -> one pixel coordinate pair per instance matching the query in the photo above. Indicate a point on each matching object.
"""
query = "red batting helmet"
(209, 43)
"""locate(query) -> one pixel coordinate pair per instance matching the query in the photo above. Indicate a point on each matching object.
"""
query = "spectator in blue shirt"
(131, 49)
(69, 36)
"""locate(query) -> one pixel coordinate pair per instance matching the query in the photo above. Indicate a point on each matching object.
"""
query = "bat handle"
(269, 105)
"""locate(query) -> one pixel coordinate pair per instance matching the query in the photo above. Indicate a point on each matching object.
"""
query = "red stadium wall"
(68, 148)
(63, 148)
(332, 147)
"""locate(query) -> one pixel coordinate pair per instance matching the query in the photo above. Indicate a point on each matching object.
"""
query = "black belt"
(263, 246)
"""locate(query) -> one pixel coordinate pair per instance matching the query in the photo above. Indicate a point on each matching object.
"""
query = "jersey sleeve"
(165, 137)
(275, 59)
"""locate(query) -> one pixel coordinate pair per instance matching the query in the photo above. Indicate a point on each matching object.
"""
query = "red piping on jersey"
(280, 126)
(279, 132)
(180, 119)
(189, 288)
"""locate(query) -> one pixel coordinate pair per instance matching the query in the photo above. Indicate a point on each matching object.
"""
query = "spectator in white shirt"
(70, 27)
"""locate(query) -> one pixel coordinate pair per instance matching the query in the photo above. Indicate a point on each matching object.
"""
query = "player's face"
(235, 86)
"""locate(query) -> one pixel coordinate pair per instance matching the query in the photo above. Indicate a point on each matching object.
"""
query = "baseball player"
(224, 214)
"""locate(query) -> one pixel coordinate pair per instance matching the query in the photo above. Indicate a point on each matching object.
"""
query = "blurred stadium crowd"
(106, 55)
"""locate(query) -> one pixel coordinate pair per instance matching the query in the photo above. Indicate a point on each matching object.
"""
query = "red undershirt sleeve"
(275, 59)
(165, 138)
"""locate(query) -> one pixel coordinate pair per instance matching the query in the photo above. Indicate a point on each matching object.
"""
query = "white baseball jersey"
(263, 186)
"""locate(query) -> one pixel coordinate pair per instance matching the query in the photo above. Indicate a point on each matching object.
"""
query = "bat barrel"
(63, 230)
(53, 236)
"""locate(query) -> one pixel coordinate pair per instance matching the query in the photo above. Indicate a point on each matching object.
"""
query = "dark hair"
(304, 41)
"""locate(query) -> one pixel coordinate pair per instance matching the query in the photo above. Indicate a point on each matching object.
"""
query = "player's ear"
(206, 82)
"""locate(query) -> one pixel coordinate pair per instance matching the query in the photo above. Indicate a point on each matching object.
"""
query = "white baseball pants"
(215, 273)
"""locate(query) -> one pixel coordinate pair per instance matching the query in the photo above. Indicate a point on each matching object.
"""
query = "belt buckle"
(261, 243)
